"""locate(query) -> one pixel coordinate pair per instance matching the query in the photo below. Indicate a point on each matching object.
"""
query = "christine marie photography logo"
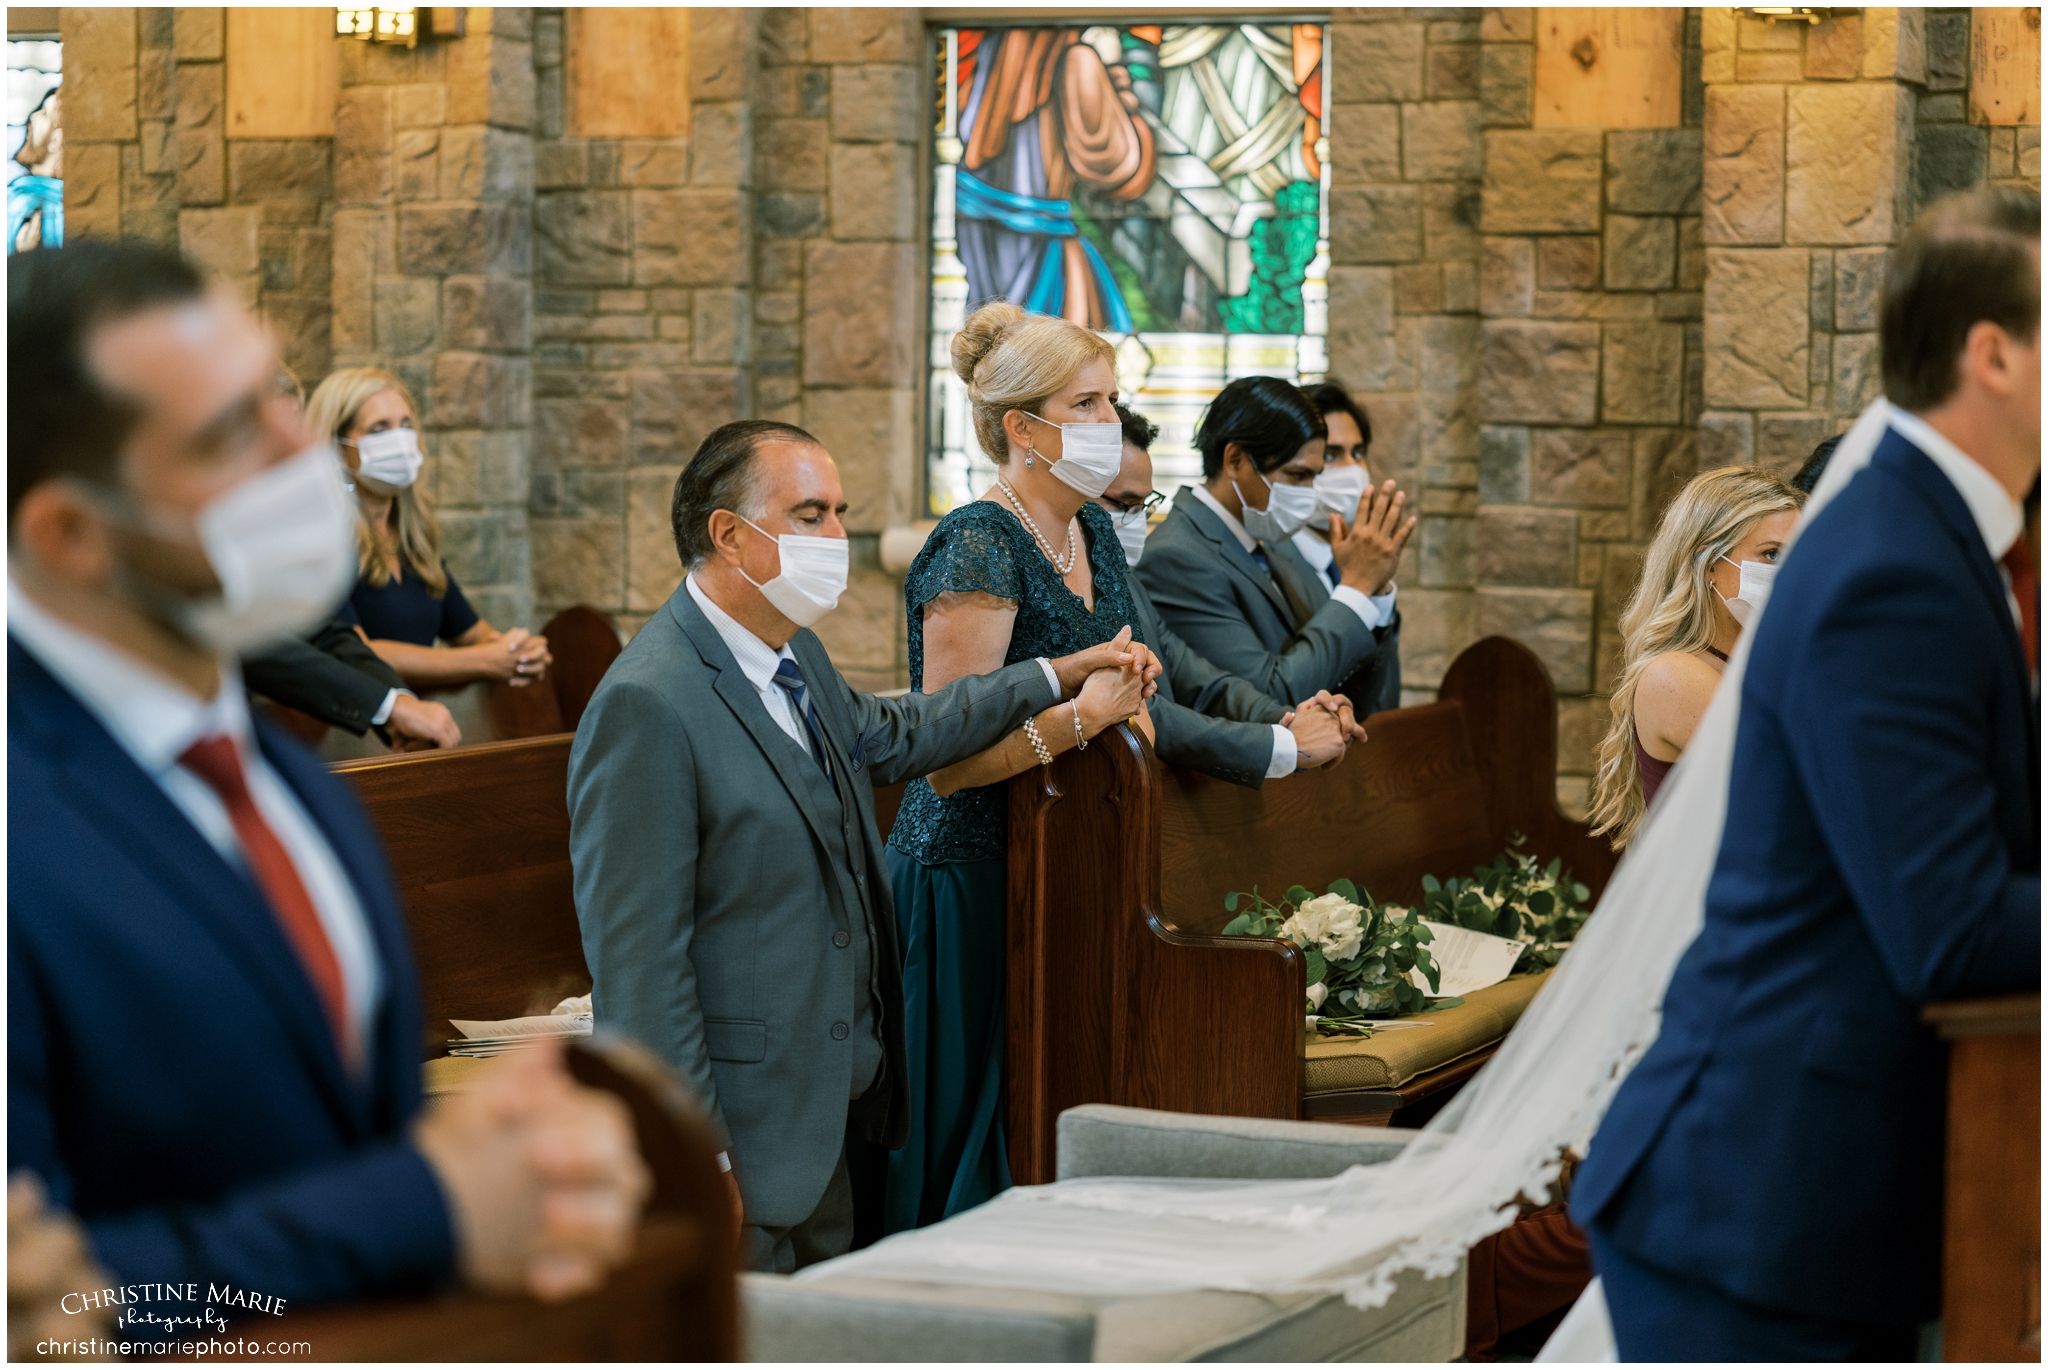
(144, 1310)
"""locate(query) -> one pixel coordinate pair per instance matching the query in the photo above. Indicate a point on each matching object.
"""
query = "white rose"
(1330, 921)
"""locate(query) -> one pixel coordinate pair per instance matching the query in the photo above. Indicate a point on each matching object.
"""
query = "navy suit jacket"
(170, 1073)
(1782, 1140)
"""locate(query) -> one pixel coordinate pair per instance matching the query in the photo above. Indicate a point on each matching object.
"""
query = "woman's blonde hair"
(1672, 610)
(1014, 359)
(417, 534)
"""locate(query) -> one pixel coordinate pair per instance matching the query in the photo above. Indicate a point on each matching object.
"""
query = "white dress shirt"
(154, 719)
(1996, 513)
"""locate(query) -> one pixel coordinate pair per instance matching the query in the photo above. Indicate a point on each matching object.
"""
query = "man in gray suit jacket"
(1204, 718)
(1260, 611)
(729, 877)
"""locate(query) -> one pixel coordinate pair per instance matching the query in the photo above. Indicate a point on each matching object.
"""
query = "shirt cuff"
(724, 1162)
(1375, 611)
(383, 714)
(1052, 678)
(1286, 755)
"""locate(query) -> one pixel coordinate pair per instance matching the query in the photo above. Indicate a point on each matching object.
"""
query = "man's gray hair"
(723, 475)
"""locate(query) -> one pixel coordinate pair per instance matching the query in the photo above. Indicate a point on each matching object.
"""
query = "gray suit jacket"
(1282, 632)
(719, 898)
(1204, 719)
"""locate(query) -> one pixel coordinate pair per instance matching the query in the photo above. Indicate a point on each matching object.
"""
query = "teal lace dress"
(947, 863)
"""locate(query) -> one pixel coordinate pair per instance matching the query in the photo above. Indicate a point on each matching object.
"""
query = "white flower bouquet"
(1359, 954)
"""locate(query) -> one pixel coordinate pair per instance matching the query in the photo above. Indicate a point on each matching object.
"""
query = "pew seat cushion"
(1107, 1139)
(1388, 1060)
(854, 1319)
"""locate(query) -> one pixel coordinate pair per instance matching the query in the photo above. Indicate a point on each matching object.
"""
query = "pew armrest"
(1104, 1139)
(903, 1320)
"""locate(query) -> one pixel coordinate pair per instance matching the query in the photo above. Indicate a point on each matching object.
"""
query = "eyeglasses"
(1153, 503)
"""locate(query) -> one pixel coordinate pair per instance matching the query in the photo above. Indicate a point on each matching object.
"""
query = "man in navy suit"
(212, 1021)
(1767, 1184)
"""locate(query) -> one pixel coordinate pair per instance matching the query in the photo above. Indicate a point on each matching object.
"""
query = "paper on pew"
(1467, 960)
(539, 1025)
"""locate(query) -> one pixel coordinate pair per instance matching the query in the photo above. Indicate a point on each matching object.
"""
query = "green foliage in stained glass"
(1282, 246)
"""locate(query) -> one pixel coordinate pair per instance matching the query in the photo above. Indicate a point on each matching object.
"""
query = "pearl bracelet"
(1037, 742)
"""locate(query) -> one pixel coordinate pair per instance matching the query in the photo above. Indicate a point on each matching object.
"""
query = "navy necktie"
(1259, 555)
(790, 677)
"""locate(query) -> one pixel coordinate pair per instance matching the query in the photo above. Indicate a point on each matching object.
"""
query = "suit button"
(839, 1032)
(842, 939)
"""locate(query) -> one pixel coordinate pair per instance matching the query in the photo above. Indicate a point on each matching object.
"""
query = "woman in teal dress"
(1031, 569)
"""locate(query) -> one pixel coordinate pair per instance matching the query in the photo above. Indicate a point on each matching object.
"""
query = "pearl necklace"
(1073, 552)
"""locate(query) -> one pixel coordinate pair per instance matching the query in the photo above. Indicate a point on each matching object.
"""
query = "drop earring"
(1029, 459)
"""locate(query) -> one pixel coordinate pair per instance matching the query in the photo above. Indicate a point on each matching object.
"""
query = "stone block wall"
(643, 299)
(842, 213)
(1406, 156)
(1590, 279)
(120, 173)
(431, 268)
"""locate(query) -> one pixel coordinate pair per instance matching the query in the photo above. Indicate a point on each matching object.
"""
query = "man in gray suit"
(729, 877)
(1202, 717)
(1258, 609)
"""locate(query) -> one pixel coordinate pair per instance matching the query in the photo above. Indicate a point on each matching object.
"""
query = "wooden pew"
(1122, 988)
(478, 841)
(676, 1299)
(584, 645)
(1991, 1248)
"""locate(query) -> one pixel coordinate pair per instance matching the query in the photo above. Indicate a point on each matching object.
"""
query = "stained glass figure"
(35, 145)
(1162, 184)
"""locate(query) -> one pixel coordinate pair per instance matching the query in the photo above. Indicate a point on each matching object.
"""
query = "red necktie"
(2026, 588)
(215, 760)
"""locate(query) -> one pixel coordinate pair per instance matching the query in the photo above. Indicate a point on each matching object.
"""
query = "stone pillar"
(641, 313)
(1405, 165)
(1589, 356)
(119, 93)
(842, 219)
(1808, 178)
(433, 186)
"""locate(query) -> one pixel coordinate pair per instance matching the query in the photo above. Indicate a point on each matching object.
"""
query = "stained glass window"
(1165, 185)
(35, 139)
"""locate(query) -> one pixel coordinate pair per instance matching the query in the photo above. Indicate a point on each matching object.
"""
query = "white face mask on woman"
(1288, 507)
(813, 576)
(1090, 454)
(1753, 589)
(391, 457)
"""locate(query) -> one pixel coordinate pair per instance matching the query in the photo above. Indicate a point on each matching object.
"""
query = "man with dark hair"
(1765, 1185)
(213, 1028)
(1202, 717)
(1816, 464)
(729, 875)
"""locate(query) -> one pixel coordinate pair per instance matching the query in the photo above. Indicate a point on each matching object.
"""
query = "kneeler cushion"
(1388, 1060)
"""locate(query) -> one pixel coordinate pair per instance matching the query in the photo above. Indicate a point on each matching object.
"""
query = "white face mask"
(392, 457)
(813, 576)
(1288, 507)
(283, 545)
(1754, 589)
(1338, 490)
(1130, 531)
(1090, 454)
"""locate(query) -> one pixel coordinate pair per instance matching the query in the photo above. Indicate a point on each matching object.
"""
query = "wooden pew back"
(1121, 988)
(478, 841)
(676, 1299)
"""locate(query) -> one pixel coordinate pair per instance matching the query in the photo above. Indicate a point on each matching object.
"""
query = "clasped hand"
(1324, 727)
(543, 1178)
(1120, 653)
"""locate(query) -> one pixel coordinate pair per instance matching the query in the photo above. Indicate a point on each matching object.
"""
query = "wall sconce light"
(401, 26)
(1796, 14)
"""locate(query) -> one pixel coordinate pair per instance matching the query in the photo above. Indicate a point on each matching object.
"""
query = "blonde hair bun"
(1012, 358)
(983, 330)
